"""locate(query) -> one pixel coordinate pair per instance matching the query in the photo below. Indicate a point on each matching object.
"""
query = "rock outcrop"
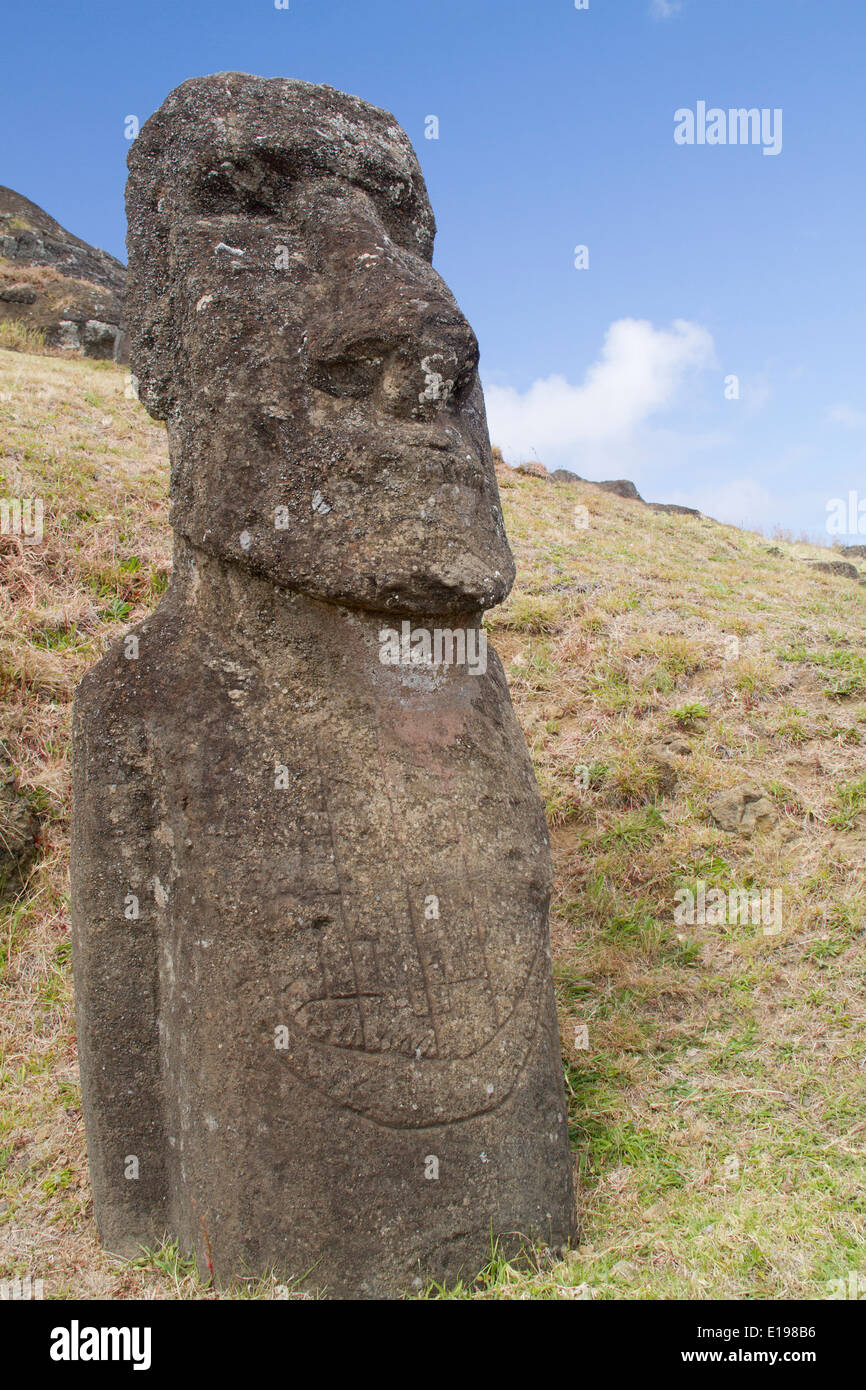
(743, 810)
(53, 281)
(843, 569)
(675, 508)
(621, 487)
(565, 475)
(311, 870)
(665, 756)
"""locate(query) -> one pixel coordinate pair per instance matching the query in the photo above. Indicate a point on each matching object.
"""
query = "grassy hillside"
(715, 1072)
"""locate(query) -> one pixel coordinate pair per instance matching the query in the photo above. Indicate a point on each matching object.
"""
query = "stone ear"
(151, 360)
(148, 306)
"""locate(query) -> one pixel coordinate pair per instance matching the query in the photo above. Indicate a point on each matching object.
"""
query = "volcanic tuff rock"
(309, 885)
(675, 508)
(18, 830)
(743, 810)
(664, 756)
(565, 475)
(843, 568)
(621, 487)
(52, 280)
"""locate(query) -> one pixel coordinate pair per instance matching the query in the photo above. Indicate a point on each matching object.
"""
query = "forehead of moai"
(318, 380)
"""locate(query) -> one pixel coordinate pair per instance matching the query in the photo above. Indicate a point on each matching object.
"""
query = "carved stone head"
(318, 380)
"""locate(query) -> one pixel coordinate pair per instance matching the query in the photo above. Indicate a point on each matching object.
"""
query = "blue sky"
(556, 130)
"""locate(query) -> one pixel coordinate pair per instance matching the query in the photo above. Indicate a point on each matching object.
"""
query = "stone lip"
(318, 380)
(58, 283)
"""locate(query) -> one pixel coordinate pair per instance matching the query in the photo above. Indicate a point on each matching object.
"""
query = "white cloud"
(639, 373)
(843, 414)
(665, 9)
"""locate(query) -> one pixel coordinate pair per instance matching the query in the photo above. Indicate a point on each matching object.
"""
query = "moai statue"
(311, 869)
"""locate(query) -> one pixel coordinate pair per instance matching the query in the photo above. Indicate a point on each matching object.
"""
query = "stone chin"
(415, 582)
(333, 531)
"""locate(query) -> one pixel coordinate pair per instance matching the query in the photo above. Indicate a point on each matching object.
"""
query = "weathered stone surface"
(676, 744)
(329, 1034)
(665, 755)
(533, 469)
(18, 830)
(842, 568)
(565, 475)
(743, 810)
(621, 487)
(54, 281)
(675, 508)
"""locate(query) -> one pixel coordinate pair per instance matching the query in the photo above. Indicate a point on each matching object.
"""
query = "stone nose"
(411, 352)
(385, 325)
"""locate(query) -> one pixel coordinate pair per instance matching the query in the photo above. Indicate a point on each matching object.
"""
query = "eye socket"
(217, 194)
(395, 201)
(352, 373)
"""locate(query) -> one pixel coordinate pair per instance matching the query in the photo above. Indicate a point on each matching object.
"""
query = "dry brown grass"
(19, 273)
(17, 336)
(707, 1044)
